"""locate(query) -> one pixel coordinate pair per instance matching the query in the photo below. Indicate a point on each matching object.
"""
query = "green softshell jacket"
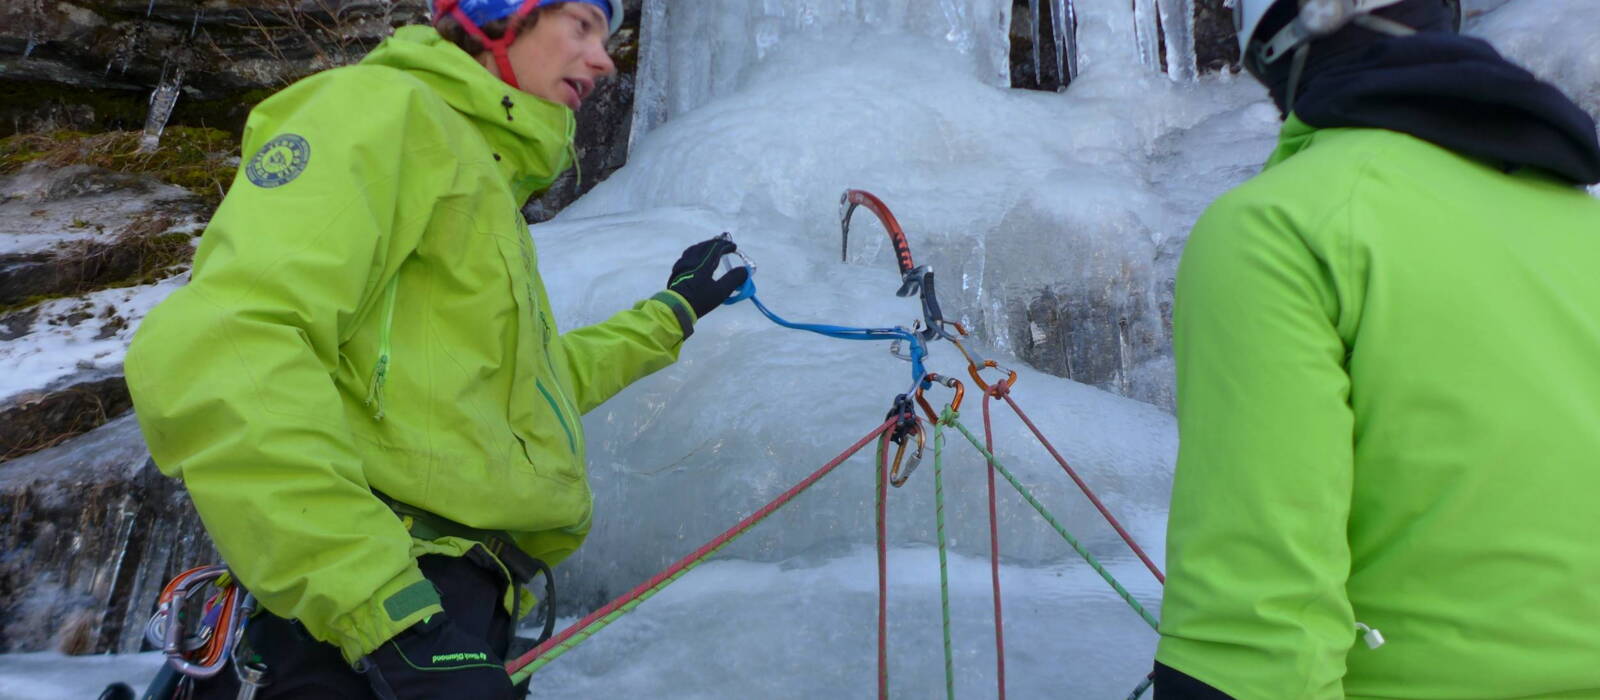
(366, 314)
(1388, 362)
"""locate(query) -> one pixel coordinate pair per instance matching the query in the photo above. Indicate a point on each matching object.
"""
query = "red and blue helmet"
(482, 12)
(473, 14)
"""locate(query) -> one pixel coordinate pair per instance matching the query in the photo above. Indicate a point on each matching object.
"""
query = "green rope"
(944, 565)
(950, 417)
(556, 651)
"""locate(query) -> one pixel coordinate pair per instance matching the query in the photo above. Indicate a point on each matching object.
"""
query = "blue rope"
(919, 351)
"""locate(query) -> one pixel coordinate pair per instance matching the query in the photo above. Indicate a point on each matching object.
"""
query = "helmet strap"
(497, 47)
(1296, 68)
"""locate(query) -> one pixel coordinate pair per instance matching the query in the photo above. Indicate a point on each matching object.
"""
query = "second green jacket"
(366, 314)
(1388, 400)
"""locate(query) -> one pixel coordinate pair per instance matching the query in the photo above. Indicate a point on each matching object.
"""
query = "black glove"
(434, 659)
(692, 275)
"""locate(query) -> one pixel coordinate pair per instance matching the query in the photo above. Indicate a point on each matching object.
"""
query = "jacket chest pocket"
(542, 418)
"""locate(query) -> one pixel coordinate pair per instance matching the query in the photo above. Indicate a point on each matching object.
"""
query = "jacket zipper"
(380, 372)
(556, 378)
(572, 443)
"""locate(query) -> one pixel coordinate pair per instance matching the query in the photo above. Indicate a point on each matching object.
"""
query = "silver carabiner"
(727, 265)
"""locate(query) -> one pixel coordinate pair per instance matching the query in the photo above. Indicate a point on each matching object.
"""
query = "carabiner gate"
(898, 479)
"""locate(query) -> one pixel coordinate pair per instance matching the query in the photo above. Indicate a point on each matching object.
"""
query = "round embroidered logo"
(279, 162)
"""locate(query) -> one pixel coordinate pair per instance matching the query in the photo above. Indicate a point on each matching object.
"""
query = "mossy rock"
(199, 159)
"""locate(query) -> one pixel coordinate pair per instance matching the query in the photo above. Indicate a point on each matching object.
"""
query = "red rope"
(692, 558)
(1005, 394)
(881, 487)
(994, 556)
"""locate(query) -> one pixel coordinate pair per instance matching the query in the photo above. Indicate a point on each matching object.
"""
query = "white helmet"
(1316, 19)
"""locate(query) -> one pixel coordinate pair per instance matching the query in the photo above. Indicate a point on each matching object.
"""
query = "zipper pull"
(1370, 635)
(375, 388)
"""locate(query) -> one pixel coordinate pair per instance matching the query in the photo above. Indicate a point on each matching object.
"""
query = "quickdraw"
(202, 650)
(900, 425)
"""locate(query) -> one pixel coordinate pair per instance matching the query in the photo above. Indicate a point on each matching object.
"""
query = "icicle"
(1146, 32)
(35, 16)
(162, 100)
(1064, 19)
(649, 91)
(148, 11)
(195, 25)
(997, 36)
(1033, 32)
(1177, 25)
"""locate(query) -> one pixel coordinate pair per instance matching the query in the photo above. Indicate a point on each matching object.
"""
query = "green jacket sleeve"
(232, 376)
(604, 358)
(1256, 547)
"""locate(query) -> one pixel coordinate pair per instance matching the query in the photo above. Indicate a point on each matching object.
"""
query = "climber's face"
(563, 54)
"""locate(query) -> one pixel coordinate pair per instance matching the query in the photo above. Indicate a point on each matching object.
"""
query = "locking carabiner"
(898, 479)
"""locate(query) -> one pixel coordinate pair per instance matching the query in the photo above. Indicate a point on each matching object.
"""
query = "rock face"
(604, 122)
(1215, 48)
(68, 231)
(91, 531)
(91, 64)
(64, 233)
(1214, 45)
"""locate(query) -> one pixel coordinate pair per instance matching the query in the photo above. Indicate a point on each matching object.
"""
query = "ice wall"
(694, 51)
(1053, 220)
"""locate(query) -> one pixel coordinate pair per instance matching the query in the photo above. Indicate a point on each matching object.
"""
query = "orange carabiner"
(997, 389)
(951, 382)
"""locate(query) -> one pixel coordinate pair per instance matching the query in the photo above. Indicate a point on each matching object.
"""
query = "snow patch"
(82, 333)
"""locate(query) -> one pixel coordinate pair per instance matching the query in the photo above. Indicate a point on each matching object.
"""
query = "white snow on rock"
(42, 208)
(71, 335)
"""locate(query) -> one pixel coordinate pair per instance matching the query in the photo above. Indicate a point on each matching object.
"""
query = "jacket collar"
(1294, 137)
(532, 136)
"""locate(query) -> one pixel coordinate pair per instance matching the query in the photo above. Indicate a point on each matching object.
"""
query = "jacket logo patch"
(279, 162)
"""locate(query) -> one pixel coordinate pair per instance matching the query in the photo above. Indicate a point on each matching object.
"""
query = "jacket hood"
(532, 136)
(1458, 93)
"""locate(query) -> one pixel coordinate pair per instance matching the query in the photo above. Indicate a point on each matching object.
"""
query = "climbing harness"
(199, 640)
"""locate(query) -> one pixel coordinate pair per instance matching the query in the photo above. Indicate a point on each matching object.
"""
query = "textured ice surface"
(54, 676)
(1559, 40)
(795, 629)
(1011, 195)
(696, 51)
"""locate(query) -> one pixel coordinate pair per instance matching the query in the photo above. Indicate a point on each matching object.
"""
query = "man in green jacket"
(363, 387)
(1388, 356)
